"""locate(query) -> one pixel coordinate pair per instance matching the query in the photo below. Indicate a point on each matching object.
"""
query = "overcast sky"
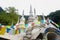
(41, 6)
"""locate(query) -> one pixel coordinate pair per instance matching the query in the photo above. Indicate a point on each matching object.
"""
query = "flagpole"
(17, 20)
(43, 17)
(12, 22)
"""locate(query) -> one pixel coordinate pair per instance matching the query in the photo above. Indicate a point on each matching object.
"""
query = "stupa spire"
(23, 13)
(34, 11)
(31, 10)
(22, 18)
(43, 16)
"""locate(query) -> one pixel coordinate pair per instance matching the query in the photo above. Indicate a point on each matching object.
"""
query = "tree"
(55, 16)
(13, 14)
(8, 15)
(11, 10)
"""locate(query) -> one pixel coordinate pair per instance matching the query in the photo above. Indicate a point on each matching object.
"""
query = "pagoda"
(22, 23)
(31, 18)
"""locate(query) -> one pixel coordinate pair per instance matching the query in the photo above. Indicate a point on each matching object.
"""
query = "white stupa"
(22, 21)
(36, 22)
(35, 16)
(31, 18)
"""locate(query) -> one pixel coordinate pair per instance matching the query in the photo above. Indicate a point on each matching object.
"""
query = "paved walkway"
(13, 37)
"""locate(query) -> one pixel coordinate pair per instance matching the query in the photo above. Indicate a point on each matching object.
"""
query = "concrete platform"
(13, 37)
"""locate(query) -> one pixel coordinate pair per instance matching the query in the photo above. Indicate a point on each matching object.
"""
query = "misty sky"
(41, 6)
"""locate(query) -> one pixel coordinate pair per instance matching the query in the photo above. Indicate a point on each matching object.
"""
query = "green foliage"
(9, 15)
(55, 16)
